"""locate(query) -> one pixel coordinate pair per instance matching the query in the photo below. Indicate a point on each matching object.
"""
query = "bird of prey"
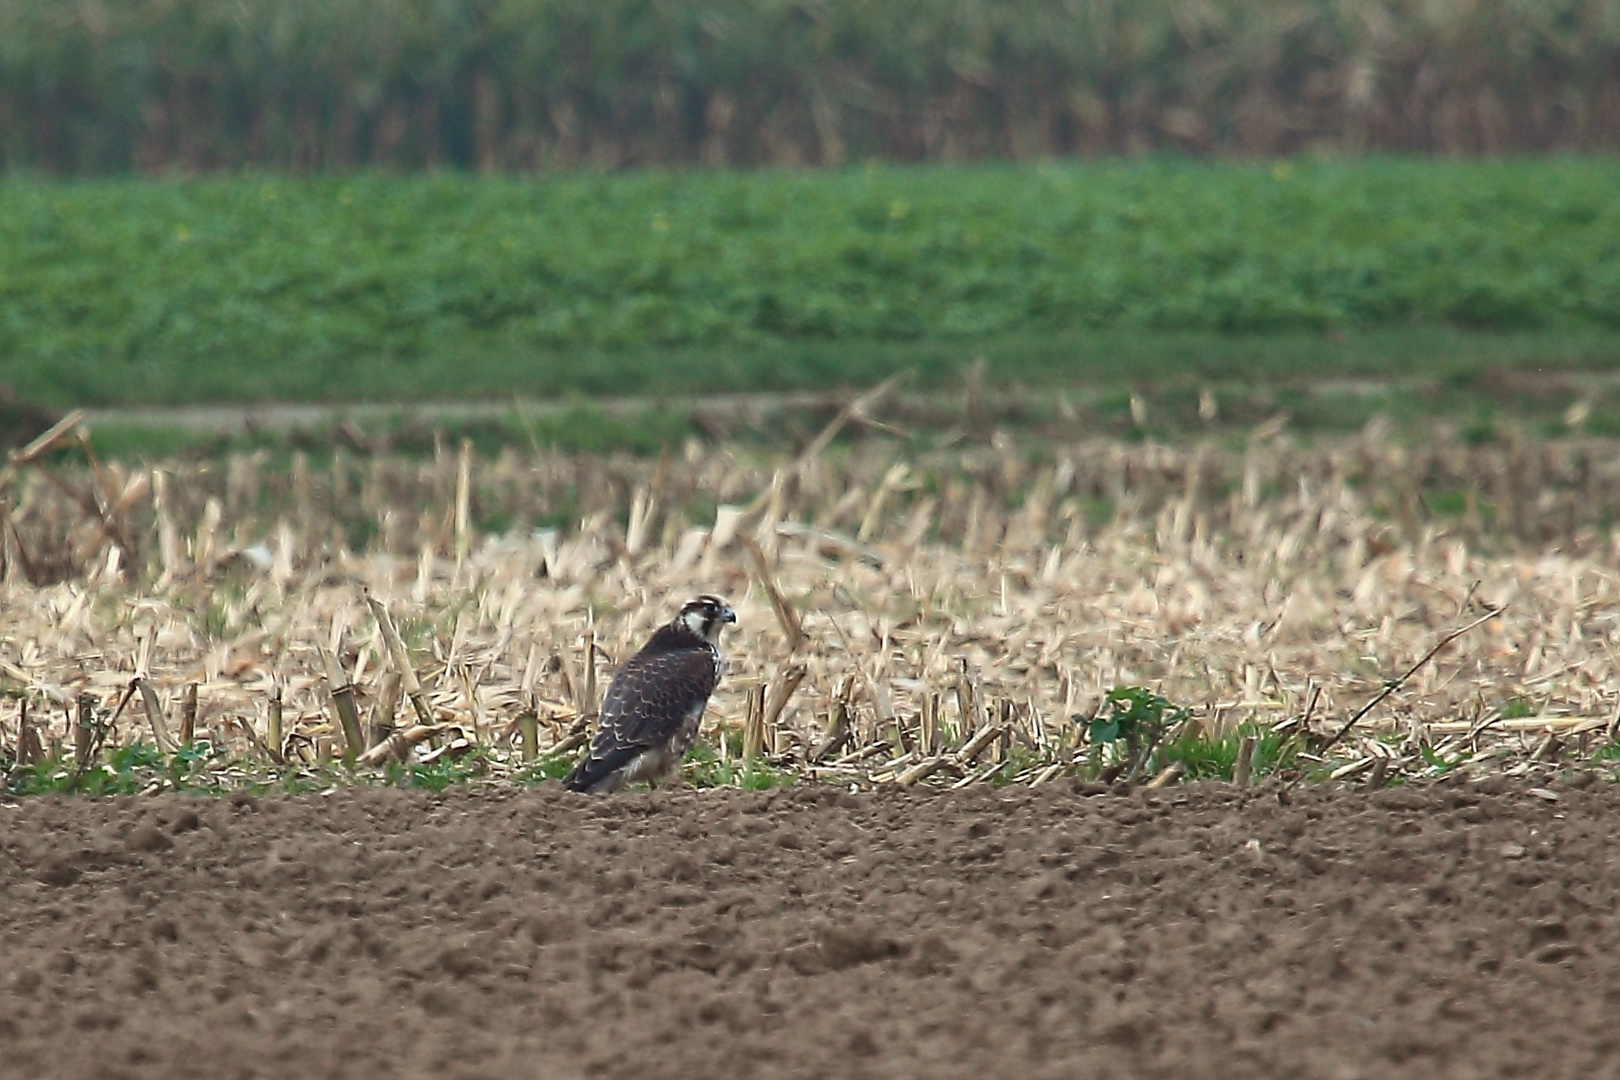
(652, 708)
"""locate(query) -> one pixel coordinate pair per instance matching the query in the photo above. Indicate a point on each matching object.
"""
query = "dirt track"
(1447, 933)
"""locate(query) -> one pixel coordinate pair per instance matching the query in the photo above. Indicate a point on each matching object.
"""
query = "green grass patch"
(1216, 759)
(580, 428)
(1476, 406)
(381, 288)
(704, 768)
(201, 768)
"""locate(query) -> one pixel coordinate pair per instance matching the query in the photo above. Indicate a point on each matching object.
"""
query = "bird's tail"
(580, 778)
(602, 774)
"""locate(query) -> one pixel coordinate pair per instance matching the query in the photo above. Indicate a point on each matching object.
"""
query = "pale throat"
(704, 627)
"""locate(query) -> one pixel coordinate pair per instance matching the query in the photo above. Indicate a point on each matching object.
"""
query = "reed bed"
(163, 85)
(947, 616)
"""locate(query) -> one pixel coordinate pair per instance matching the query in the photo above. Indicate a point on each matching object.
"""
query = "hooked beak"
(728, 616)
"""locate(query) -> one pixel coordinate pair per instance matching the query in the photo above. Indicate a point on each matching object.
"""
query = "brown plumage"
(652, 709)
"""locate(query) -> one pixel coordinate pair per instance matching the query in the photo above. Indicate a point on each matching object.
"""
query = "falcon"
(652, 708)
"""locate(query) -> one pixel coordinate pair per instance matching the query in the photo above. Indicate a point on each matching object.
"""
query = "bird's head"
(706, 616)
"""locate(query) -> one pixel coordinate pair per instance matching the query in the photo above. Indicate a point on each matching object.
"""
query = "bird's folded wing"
(653, 694)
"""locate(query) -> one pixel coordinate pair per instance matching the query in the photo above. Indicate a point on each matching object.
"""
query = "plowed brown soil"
(1456, 931)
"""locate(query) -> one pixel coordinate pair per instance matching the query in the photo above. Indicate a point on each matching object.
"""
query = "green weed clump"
(392, 288)
(1139, 734)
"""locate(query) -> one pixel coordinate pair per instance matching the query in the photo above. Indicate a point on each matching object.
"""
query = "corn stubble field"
(943, 617)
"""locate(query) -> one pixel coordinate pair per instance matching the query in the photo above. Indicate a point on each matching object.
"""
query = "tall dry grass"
(198, 84)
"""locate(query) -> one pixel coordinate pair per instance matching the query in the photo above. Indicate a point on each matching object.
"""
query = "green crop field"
(375, 287)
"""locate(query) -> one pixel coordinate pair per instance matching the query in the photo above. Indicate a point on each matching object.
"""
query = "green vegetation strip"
(1137, 737)
(201, 768)
(389, 288)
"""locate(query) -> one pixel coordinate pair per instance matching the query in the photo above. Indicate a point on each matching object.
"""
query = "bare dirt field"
(1453, 930)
